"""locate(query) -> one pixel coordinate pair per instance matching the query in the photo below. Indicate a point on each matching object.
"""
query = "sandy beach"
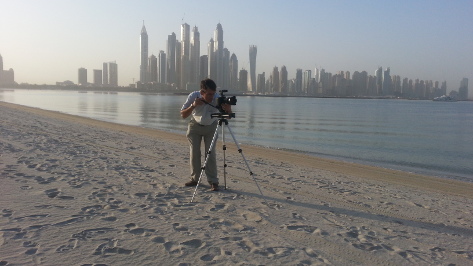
(76, 191)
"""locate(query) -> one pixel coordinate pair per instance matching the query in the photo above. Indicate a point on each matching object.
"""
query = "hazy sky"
(47, 41)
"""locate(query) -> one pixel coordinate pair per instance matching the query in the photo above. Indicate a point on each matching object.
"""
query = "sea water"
(426, 137)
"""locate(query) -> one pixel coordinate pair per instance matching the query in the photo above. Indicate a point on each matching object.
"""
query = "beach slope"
(79, 191)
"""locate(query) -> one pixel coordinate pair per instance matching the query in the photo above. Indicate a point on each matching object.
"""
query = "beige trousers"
(195, 133)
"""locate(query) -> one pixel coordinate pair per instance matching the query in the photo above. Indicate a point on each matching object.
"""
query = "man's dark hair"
(208, 84)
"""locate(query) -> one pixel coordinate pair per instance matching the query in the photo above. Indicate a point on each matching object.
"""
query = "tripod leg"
(246, 162)
(212, 144)
(224, 159)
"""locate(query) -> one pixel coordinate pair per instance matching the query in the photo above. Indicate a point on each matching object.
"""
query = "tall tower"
(233, 72)
(113, 73)
(283, 80)
(185, 55)
(171, 59)
(212, 61)
(152, 69)
(275, 80)
(82, 76)
(463, 90)
(253, 52)
(379, 80)
(144, 54)
(219, 54)
(162, 67)
(195, 56)
(105, 74)
(387, 82)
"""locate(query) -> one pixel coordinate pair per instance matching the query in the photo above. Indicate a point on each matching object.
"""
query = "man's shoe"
(214, 187)
(191, 183)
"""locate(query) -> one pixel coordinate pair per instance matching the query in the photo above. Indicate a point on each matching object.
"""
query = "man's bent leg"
(195, 139)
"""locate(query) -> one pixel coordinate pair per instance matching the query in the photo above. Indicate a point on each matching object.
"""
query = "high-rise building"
(379, 80)
(162, 61)
(143, 54)
(152, 69)
(387, 82)
(233, 72)
(113, 74)
(105, 74)
(185, 56)
(97, 77)
(283, 80)
(463, 90)
(243, 80)
(298, 82)
(195, 56)
(306, 81)
(275, 80)
(219, 55)
(212, 73)
(82, 76)
(260, 83)
(204, 67)
(171, 59)
(252, 51)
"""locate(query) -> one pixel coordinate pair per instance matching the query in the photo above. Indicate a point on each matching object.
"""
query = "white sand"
(76, 191)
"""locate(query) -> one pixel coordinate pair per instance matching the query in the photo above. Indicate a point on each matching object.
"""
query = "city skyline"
(409, 38)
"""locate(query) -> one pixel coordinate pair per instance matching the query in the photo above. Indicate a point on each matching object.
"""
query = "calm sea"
(425, 137)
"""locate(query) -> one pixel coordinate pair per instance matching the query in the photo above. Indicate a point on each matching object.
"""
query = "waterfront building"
(243, 87)
(218, 60)
(233, 72)
(252, 52)
(195, 56)
(98, 77)
(204, 67)
(82, 76)
(275, 80)
(143, 54)
(260, 86)
(171, 59)
(113, 73)
(105, 74)
(283, 87)
(306, 81)
(387, 82)
(212, 72)
(185, 56)
(1, 69)
(463, 90)
(152, 72)
(162, 61)
(298, 82)
(379, 80)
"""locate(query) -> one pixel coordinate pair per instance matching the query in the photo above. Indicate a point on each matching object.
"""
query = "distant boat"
(444, 98)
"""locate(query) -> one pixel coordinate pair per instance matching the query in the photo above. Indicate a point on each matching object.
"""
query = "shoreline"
(95, 192)
(293, 157)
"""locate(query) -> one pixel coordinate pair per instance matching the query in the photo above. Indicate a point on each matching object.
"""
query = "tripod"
(221, 123)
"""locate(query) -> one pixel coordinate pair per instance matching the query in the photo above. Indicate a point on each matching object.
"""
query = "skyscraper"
(144, 54)
(253, 51)
(185, 55)
(195, 56)
(82, 76)
(298, 82)
(105, 74)
(1, 68)
(379, 80)
(219, 55)
(97, 77)
(212, 65)
(275, 80)
(387, 82)
(171, 58)
(283, 87)
(152, 69)
(204, 67)
(113, 73)
(233, 72)
(162, 67)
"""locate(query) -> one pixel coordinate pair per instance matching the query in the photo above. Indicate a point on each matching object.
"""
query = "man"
(200, 105)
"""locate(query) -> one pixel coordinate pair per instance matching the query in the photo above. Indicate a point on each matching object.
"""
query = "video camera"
(224, 100)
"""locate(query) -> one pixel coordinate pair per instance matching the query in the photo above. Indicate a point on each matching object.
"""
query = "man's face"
(207, 95)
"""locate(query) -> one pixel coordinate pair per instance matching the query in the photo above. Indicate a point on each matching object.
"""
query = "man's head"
(208, 89)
